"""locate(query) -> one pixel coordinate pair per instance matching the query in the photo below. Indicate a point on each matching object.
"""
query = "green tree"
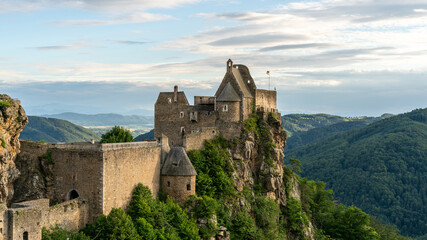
(243, 227)
(116, 226)
(116, 135)
(58, 233)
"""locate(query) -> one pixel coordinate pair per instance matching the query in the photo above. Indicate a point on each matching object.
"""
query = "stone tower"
(178, 175)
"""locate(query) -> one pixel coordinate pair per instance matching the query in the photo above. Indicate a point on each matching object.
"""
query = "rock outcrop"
(12, 121)
(258, 162)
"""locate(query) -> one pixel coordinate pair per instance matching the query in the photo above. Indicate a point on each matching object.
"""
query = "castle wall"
(3, 221)
(176, 120)
(247, 108)
(126, 165)
(24, 220)
(229, 111)
(80, 170)
(70, 215)
(266, 100)
(169, 118)
(196, 140)
(72, 166)
(176, 187)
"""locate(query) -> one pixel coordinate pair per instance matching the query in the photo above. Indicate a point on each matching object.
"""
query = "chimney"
(175, 93)
(229, 65)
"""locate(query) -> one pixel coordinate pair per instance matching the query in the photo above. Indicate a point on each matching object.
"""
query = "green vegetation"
(3, 143)
(218, 203)
(306, 128)
(57, 233)
(5, 104)
(260, 129)
(380, 168)
(117, 135)
(55, 130)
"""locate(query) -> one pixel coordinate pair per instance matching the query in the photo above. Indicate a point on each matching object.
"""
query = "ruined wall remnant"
(12, 120)
(124, 168)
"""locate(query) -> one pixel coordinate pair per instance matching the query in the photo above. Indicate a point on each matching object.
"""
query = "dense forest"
(56, 130)
(295, 124)
(381, 168)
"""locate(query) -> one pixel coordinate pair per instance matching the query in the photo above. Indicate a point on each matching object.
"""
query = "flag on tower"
(268, 72)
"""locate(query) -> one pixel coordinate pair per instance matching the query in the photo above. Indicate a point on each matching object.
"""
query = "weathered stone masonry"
(83, 180)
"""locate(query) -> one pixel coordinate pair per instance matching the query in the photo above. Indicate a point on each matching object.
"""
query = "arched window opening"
(25, 237)
(189, 187)
(73, 195)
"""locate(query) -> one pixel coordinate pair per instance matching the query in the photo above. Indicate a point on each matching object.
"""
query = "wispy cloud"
(110, 6)
(297, 46)
(139, 17)
(76, 45)
(129, 42)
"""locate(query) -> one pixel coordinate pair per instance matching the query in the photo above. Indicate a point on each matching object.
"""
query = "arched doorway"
(73, 194)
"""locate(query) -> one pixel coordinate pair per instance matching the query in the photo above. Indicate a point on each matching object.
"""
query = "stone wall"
(177, 187)
(196, 140)
(266, 100)
(28, 218)
(24, 220)
(125, 167)
(176, 120)
(81, 171)
(70, 215)
(229, 111)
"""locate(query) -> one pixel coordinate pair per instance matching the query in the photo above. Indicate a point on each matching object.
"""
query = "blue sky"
(345, 57)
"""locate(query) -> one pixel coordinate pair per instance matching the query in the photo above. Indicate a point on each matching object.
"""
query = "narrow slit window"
(188, 187)
(181, 115)
(169, 184)
(225, 108)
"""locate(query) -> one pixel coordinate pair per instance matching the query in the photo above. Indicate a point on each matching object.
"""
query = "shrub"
(117, 135)
(243, 227)
(5, 104)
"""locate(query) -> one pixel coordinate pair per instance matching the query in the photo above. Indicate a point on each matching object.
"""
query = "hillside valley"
(56, 130)
(380, 167)
(102, 122)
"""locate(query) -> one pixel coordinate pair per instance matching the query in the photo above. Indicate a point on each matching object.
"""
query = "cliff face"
(12, 120)
(259, 163)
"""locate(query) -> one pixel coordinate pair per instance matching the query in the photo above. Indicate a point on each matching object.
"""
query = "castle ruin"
(81, 181)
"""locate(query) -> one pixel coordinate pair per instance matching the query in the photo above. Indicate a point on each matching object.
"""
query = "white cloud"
(139, 17)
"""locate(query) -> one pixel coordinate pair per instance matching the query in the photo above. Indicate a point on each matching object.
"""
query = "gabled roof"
(178, 164)
(164, 97)
(228, 94)
(243, 86)
(240, 79)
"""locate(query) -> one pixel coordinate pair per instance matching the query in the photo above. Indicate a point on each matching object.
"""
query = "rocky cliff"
(260, 165)
(12, 121)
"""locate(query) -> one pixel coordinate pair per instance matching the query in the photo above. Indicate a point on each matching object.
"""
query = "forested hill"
(381, 168)
(103, 119)
(145, 136)
(55, 130)
(307, 128)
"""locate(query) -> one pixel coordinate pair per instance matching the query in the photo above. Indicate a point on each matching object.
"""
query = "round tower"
(178, 175)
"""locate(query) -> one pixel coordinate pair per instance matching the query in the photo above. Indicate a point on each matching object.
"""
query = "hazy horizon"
(342, 57)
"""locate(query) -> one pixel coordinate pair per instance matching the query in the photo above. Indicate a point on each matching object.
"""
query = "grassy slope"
(381, 168)
(55, 130)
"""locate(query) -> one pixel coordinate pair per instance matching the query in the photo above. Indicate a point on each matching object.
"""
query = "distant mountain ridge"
(56, 130)
(103, 119)
(307, 128)
(381, 168)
